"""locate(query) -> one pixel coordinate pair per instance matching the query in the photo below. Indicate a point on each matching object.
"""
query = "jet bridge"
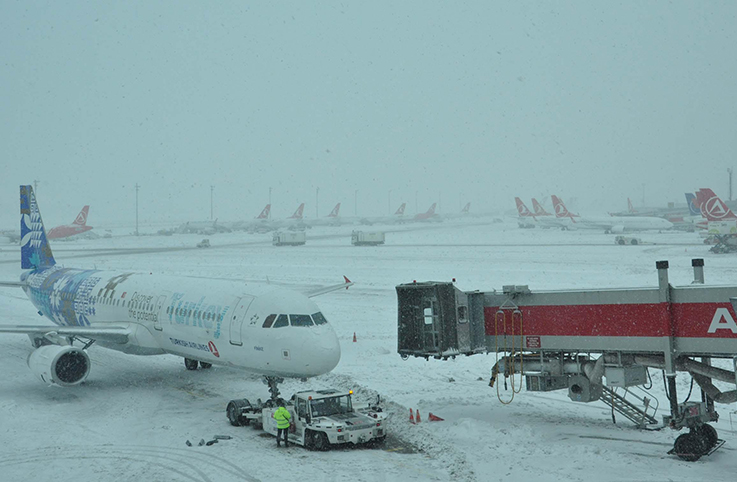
(552, 339)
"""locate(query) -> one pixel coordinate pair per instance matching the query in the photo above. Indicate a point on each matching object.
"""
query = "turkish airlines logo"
(213, 349)
(715, 208)
(722, 320)
(523, 211)
(561, 210)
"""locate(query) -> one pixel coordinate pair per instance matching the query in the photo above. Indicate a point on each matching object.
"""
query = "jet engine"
(59, 365)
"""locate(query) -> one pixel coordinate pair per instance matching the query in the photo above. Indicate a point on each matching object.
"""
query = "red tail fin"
(82, 217)
(561, 211)
(265, 212)
(400, 211)
(522, 209)
(298, 213)
(630, 207)
(539, 210)
(335, 211)
(713, 208)
(431, 211)
(466, 208)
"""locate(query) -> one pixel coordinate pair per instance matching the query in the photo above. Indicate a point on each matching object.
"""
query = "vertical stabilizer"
(298, 213)
(335, 211)
(561, 211)
(693, 208)
(713, 208)
(264, 212)
(522, 209)
(35, 252)
(630, 208)
(81, 219)
(539, 209)
(466, 208)
(400, 210)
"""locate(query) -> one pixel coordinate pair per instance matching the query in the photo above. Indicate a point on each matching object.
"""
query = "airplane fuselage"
(214, 321)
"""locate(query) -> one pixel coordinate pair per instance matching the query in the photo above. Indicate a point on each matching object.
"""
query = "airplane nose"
(326, 350)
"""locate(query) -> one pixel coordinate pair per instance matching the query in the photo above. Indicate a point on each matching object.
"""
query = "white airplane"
(262, 329)
(397, 218)
(332, 219)
(610, 224)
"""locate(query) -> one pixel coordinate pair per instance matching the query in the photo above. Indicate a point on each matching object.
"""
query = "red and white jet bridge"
(552, 337)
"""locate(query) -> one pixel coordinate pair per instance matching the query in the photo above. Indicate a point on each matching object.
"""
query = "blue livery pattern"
(35, 251)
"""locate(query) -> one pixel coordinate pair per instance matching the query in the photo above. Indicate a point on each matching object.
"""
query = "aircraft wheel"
(690, 446)
(633, 242)
(191, 364)
(709, 434)
(205, 365)
(621, 242)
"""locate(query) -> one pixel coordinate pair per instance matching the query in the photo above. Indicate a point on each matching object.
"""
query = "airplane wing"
(113, 334)
(12, 284)
(328, 289)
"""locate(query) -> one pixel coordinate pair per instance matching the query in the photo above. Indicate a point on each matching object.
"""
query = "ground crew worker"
(282, 418)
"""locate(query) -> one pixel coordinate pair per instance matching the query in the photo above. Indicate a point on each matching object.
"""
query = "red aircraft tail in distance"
(561, 211)
(427, 214)
(539, 210)
(77, 227)
(522, 209)
(630, 208)
(466, 208)
(335, 211)
(400, 210)
(264, 212)
(713, 208)
(298, 213)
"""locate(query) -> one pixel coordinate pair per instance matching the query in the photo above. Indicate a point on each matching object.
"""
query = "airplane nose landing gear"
(272, 382)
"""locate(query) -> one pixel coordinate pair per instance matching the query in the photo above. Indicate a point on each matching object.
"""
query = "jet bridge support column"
(670, 365)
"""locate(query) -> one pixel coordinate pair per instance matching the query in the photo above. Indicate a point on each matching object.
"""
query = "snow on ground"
(131, 419)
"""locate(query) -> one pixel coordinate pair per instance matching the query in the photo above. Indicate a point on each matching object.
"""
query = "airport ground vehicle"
(291, 238)
(622, 240)
(320, 419)
(205, 243)
(367, 238)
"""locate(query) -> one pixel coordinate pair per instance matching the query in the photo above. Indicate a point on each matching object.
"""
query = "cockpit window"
(269, 321)
(300, 320)
(281, 321)
(319, 318)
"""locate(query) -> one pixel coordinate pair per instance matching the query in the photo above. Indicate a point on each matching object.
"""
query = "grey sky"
(481, 101)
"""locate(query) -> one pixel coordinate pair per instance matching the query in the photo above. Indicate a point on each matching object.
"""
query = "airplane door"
(158, 312)
(237, 318)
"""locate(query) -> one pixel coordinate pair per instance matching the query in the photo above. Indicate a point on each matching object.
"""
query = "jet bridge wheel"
(690, 446)
(191, 364)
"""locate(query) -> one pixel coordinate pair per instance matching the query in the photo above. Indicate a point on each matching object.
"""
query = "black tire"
(319, 441)
(633, 242)
(377, 442)
(621, 242)
(709, 434)
(191, 364)
(205, 365)
(234, 411)
(690, 446)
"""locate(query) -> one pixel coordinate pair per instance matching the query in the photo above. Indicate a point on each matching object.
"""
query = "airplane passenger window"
(300, 320)
(319, 318)
(281, 321)
(269, 321)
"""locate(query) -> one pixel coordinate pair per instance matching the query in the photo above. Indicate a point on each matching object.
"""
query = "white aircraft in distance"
(332, 219)
(396, 218)
(262, 329)
(464, 213)
(260, 223)
(428, 216)
(546, 219)
(610, 224)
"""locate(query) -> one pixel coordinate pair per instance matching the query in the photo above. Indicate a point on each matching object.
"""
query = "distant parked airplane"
(77, 227)
(610, 224)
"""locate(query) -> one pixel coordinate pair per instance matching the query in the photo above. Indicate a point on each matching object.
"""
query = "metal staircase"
(618, 403)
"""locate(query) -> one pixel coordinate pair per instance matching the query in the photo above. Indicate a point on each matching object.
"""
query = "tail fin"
(713, 208)
(561, 211)
(431, 211)
(400, 210)
(82, 217)
(264, 212)
(466, 208)
(335, 211)
(630, 208)
(522, 209)
(693, 208)
(298, 213)
(539, 210)
(35, 251)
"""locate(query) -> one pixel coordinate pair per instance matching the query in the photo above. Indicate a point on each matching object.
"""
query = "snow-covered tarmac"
(131, 419)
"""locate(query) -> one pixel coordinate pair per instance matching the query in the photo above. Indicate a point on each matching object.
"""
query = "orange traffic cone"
(354, 337)
(418, 416)
(434, 418)
(411, 416)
